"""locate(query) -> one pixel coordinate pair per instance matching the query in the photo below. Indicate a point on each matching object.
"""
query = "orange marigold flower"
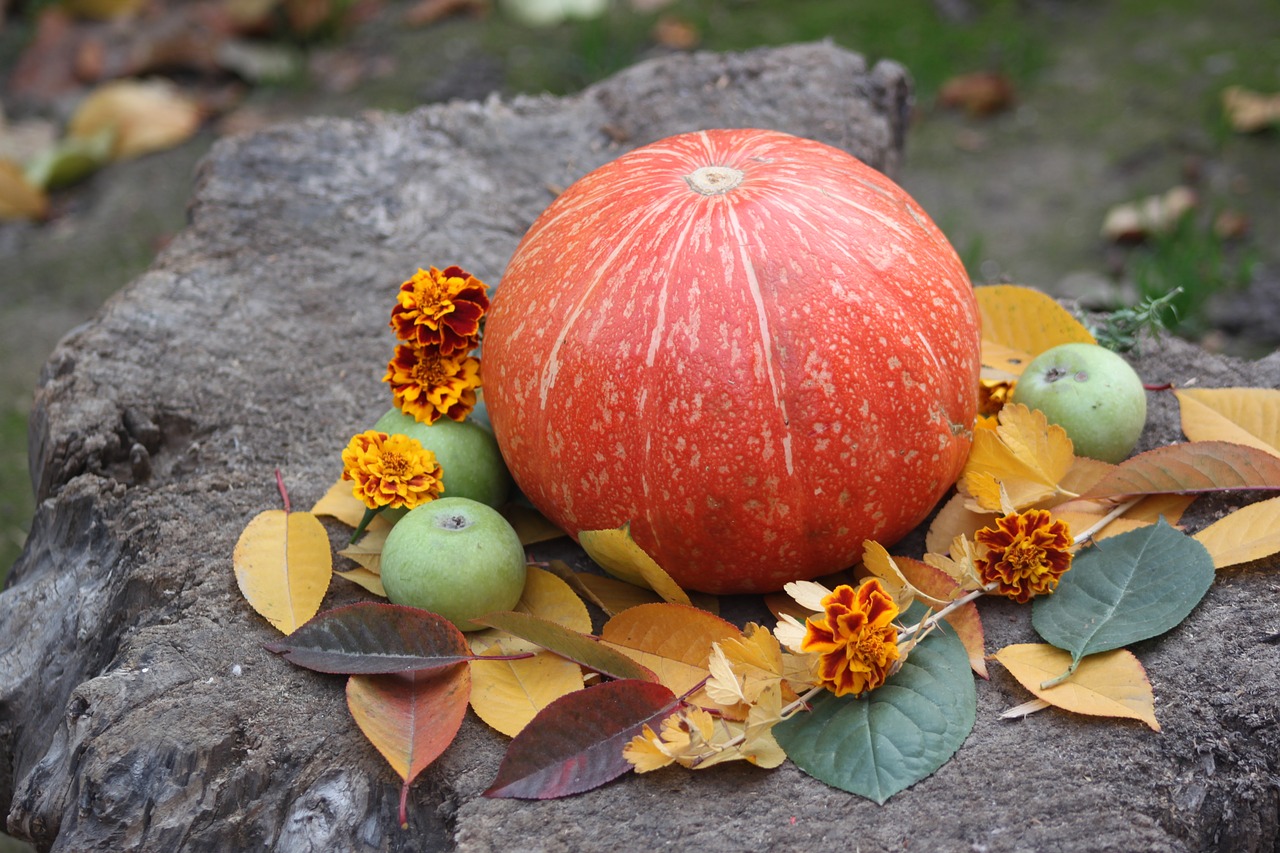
(391, 470)
(426, 383)
(1026, 554)
(855, 637)
(992, 395)
(441, 309)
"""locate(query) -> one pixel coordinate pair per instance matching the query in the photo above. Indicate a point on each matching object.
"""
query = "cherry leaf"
(411, 719)
(283, 566)
(580, 648)
(370, 638)
(575, 743)
(1195, 466)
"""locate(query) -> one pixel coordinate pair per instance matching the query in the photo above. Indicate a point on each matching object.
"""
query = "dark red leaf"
(575, 743)
(371, 637)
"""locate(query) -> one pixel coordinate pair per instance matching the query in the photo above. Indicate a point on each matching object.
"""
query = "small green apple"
(455, 557)
(1090, 392)
(467, 452)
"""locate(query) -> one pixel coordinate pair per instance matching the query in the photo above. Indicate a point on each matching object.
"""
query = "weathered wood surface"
(138, 709)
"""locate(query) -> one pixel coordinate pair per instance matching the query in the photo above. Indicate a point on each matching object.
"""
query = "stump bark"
(138, 708)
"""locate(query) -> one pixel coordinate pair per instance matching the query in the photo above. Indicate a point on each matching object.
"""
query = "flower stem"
(364, 522)
(935, 618)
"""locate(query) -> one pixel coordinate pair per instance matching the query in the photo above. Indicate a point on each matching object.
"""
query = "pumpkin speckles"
(756, 380)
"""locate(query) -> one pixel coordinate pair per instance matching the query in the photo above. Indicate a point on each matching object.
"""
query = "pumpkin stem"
(714, 180)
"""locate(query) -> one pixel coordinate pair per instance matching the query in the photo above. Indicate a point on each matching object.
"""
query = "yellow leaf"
(672, 640)
(965, 620)
(1019, 323)
(1249, 416)
(954, 519)
(507, 694)
(283, 566)
(145, 116)
(614, 596)
(367, 552)
(547, 597)
(1107, 684)
(618, 554)
(19, 198)
(1025, 454)
(530, 525)
(365, 578)
(876, 560)
(1248, 534)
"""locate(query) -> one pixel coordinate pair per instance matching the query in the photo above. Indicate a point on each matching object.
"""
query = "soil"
(1122, 100)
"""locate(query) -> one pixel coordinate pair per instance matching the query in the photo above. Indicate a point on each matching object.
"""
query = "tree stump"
(138, 707)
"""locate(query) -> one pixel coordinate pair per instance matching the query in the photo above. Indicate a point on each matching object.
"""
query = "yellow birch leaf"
(1106, 684)
(19, 198)
(1248, 416)
(340, 503)
(672, 640)
(367, 551)
(1025, 454)
(1019, 323)
(614, 596)
(283, 566)
(1248, 534)
(530, 525)
(507, 694)
(365, 578)
(145, 116)
(618, 554)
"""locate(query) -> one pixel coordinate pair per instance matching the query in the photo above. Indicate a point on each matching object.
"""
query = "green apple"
(467, 452)
(1090, 392)
(455, 557)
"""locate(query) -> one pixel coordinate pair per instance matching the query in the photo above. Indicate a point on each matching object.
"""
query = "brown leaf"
(1193, 467)
(965, 619)
(981, 93)
(19, 199)
(672, 640)
(1155, 214)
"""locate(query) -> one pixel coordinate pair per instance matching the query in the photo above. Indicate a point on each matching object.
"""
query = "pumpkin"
(751, 348)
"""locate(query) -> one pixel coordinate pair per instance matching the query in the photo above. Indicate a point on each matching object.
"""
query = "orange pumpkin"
(751, 347)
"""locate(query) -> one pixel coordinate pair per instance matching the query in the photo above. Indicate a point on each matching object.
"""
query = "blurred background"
(1125, 153)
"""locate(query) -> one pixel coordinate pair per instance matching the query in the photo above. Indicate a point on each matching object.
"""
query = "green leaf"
(580, 648)
(1124, 589)
(897, 734)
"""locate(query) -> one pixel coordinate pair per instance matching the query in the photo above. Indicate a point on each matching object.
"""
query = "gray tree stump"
(138, 708)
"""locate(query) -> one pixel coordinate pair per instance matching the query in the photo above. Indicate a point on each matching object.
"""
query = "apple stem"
(364, 522)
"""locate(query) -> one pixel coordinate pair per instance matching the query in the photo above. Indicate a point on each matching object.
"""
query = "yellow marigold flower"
(855, 638)
(426, 383)
(391, 470)
(441, 310)
(992, 395)
(1026, 554)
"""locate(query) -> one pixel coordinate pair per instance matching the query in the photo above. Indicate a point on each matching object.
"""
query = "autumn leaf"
(1192, 467)
(372, 638)
(955, 518)
(1249, 416)
(410, 719)
(341, 503)
(1107, 684)
(1248, 111)
(530, 525)
(362, 577)
(672, 640)
(367, 551)
(964, 620)
(1019, 323)
(1248, 534)
(509, 694)
(581, 648)
(878, 563)
(283, 566)
(614, 596)
(19, 198)
(1025, 454)
(575, 744)
(144, 116)
(547, 597)
(618, 554)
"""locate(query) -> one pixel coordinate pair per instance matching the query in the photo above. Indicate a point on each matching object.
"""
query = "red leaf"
(371, 637)
(411, 719)
(1194, 466)
(575, 743)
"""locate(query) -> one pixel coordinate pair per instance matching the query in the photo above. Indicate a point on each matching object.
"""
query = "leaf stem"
(284, 493)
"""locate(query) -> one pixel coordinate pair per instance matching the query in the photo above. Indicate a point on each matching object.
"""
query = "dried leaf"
(367, 552)
(144, 116)
(509, 694)
(547, 597)
(371, 638)
(1248, 534)
(340, 503)
(1193, 467)
(19, 198)
(1026, 455)
(672, 640)
(365, 578)
(1249, 416)
(954, 519)
(964, 620)
(283, 566)
(618, 554)
(581, 648)
(1019, 323)
(981, 93)
(69, 161)
(1248, 111)
(1108, 684)
(575, 744)
(530, 525)
(410, 719)
(876, 560)
(1155, 214)
(614, 596)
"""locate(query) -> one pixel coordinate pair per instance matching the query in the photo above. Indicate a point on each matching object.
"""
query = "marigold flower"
(441, 310)
(426, 383)
(1027, 552)
(391, 470)
(855, 638)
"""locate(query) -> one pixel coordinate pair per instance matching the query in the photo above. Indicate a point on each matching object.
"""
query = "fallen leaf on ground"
(1135, 221)
(1248, 534)
(1019, 323)
(981, 93)
(618, 554)
(1108, 684)
(19, 198)
(1248, 111)
(1025, 455)
(1249, 416)
(283, 566)
(143, 116)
